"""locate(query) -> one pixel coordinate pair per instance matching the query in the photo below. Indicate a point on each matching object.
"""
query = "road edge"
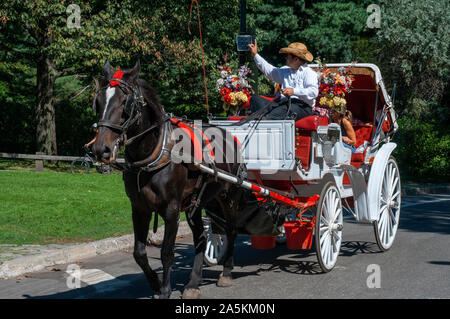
(33, 263)
(411, 189)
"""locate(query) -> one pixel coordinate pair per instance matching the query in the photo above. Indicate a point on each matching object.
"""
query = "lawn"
(55, 207)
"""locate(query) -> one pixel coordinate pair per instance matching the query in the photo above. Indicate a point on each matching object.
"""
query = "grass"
(54, 207)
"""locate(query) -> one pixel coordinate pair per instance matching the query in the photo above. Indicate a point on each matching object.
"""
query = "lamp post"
(243, 29)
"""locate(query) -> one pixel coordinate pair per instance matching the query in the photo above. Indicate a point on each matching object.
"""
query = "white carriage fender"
(376, 178)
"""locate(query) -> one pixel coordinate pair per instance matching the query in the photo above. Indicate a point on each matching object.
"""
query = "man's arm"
(311, 87)
(269, 70)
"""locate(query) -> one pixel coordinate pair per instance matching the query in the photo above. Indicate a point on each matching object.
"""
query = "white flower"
(223, 74)
(219, 84)
(243, 83)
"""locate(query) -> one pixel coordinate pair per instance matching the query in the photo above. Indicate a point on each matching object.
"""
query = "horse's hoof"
(191, 293)
(225, 281)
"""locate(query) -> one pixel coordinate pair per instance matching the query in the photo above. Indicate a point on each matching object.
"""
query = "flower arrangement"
(334, 87)
(234, 88)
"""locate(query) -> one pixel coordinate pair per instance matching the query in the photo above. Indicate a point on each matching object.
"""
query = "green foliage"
(414, 39)
(277, 23)
(332, 27)
(423, 150)
(17, 120)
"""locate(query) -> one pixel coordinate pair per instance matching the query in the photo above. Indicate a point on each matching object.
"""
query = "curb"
(33, 263)
(423, 189)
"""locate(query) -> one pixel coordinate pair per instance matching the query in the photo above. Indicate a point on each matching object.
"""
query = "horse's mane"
(152, 96)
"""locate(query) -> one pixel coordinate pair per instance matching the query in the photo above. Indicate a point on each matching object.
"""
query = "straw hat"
(298, 49)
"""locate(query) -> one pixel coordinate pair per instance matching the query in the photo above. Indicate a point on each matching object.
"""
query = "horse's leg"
(141, 222)
(225, 279)
(171, 220)
(191, 291)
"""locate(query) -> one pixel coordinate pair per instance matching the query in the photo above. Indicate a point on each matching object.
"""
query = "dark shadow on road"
(351, 248)
(294, 267)
(278, 259)
(123, 287)
(441, 263)
(431, 218)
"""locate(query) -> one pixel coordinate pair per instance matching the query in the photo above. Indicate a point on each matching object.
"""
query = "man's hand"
(253, 48)
(287, 92)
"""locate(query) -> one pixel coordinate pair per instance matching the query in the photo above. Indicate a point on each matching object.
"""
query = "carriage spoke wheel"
(389, 206)
(215, 244)
(328, 229)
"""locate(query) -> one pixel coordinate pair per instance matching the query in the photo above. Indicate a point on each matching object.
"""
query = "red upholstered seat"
(310, 123)
(357, 157)
(236, 117)
(363, 133)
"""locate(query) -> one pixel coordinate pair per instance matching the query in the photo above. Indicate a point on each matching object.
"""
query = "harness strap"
(111, 125)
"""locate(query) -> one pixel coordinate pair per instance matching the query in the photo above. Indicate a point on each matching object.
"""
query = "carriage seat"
(363, 133)
(310, 123)
(303, 129)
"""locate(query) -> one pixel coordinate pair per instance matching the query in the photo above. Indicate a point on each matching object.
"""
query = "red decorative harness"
(189, 130)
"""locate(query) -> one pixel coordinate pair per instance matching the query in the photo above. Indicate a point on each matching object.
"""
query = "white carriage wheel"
(329, 224)
(388, 206)
(215, 244)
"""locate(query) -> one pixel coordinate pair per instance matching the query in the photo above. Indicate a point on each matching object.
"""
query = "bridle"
(133, 108)
(134, 99)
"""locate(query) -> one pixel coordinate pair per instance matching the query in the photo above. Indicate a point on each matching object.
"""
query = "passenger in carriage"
(343, 117)
(298, 81)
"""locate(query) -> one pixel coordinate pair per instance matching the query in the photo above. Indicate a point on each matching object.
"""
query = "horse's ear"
(135, 70)
(107, 69)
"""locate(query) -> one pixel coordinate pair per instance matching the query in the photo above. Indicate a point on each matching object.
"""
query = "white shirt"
(304, 81)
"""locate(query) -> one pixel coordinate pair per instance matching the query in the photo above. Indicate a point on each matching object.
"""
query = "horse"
(131, 115)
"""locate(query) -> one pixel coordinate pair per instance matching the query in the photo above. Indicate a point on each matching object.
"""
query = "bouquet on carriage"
(234, 87)
(333, 88)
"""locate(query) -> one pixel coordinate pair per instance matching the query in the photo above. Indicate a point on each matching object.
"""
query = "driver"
(298, 81)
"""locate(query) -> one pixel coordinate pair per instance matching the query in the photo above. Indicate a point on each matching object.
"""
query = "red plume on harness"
(117, 75)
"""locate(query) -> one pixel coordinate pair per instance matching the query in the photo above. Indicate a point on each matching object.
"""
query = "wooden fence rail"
(42, 157)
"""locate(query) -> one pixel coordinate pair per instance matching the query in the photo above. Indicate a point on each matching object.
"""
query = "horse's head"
(116, 104)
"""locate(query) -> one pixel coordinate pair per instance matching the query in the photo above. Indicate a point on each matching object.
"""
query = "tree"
(414, 39)
(333, 26)
(37, 33)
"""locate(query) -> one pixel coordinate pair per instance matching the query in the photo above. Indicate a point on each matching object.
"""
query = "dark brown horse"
(130, 114)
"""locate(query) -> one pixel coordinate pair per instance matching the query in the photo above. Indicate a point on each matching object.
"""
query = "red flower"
(227, 98)
(246, 92)
(339, 89)
(324, 88)
(225, 91)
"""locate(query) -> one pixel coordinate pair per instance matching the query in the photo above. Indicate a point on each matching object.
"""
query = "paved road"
(417, 266)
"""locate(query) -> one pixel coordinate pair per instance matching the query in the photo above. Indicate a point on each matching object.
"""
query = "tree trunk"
(45, 110)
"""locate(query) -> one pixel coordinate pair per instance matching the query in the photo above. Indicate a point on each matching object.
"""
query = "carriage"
(304, 178)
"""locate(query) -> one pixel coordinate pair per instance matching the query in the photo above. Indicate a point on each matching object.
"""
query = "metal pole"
(243, 29)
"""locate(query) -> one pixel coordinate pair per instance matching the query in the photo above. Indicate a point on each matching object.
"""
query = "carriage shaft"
(252, 187)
